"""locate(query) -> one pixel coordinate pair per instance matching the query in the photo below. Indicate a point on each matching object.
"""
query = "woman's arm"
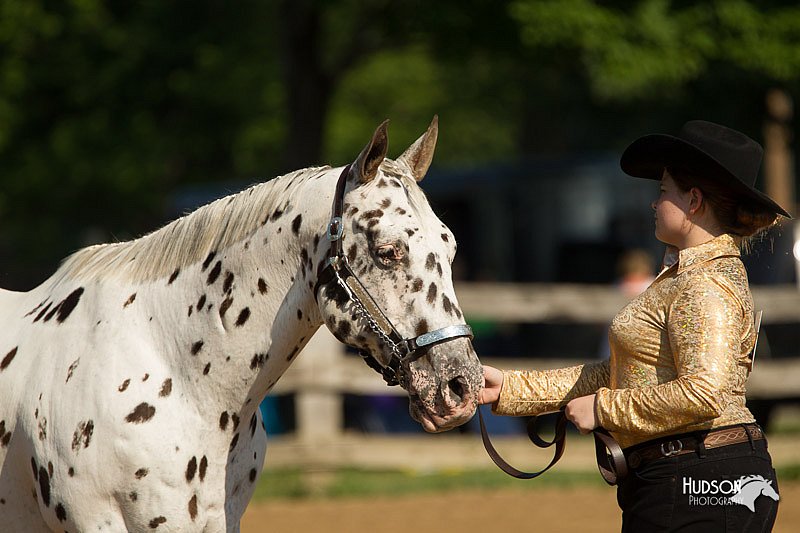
(528, 393)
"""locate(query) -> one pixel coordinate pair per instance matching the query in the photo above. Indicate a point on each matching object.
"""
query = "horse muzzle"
(443, 392)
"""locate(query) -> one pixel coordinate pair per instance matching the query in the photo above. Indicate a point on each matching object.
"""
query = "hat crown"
(704, 149)
(736, 152)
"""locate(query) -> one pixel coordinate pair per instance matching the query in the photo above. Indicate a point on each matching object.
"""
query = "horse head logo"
(751, 488)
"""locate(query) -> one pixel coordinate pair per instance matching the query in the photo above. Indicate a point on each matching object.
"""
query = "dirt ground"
(581, 509)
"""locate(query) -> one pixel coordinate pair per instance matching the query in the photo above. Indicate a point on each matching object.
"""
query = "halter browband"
(337, 268)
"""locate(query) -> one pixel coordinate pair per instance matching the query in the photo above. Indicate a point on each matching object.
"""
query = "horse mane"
(187, 240)
(749, 479)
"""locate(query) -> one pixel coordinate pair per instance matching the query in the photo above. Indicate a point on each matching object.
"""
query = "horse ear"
(366, 165)
(419, 155)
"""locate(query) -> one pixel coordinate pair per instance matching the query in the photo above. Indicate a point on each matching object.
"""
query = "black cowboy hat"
(705, 148)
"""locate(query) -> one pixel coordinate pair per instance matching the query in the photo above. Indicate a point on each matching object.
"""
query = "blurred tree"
(106, 106)
(629, 50)
(365, 60)
(458, 59)
(668, 58)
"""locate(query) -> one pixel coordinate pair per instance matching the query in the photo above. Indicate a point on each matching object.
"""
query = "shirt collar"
(722, 246)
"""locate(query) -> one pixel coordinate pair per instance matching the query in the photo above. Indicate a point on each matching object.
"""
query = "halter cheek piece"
(336, 268)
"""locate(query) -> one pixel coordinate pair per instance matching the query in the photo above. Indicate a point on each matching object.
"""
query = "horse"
(130, 380)
(751, 488)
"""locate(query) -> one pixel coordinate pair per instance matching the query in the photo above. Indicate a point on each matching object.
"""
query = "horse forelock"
(416, 196)
(187, 240)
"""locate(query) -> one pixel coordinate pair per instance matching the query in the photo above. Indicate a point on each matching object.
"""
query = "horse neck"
(233, 322)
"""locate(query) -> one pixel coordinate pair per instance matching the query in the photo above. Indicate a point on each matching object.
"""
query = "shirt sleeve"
(529, 393)
(704, 331)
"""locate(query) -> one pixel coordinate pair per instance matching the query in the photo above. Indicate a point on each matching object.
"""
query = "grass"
(354, 482)
(785, 419)
(788, 473)
(785, 427)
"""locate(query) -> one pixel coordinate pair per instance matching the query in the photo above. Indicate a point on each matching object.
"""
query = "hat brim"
(647, 156)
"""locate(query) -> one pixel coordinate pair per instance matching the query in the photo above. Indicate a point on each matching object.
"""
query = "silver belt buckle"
(673, 447)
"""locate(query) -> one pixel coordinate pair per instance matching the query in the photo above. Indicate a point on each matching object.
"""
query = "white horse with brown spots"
(130, 380)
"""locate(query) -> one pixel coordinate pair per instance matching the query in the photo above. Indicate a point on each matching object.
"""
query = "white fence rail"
(324, 374)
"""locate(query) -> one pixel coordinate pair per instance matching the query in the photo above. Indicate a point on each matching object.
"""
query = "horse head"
(768, 490)
(392, 283)
(751, 487)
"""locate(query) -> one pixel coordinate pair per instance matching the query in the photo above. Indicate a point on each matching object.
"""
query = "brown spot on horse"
(8, 358)
(214, 274)
(193, 507)
(203, 467)
(191, 468)
(196, 347)
(243, 316)
(166, 388)
(141, 413)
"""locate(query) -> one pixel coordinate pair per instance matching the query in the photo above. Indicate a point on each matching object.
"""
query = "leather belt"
(692, 443)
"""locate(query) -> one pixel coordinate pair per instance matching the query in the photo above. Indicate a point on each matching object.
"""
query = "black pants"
(690, 493)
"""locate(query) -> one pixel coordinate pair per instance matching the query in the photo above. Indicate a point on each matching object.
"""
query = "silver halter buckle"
(335, 229)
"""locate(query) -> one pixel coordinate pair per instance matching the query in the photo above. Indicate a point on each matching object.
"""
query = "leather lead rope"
(558, 439)
(610, 459)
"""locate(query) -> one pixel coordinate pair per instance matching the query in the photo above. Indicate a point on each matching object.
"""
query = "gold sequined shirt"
(680, 355)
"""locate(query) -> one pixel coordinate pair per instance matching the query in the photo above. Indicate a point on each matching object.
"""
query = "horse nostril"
(457, 388)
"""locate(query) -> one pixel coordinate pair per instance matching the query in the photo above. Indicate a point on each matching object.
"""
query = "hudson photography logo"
(742, 491)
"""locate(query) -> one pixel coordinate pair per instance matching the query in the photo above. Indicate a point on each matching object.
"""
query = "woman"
(673, 391)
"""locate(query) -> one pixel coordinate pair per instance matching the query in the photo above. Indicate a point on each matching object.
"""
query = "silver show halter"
(337, 269)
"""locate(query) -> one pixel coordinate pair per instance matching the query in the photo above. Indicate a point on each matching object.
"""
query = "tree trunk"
(307, 84)
(778, 157)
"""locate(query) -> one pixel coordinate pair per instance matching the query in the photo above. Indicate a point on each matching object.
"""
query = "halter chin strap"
(336, 268)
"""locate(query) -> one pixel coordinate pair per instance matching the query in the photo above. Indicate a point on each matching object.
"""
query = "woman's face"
(672, 210)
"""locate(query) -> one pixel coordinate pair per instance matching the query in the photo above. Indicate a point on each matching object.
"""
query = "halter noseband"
(337, 268)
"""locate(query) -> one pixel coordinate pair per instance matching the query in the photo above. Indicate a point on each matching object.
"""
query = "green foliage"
(409, 87)
(106, 108)
(402, 85)
(650, 47)
(764, 41)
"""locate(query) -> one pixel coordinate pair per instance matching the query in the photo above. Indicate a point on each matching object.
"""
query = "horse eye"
(388, 254)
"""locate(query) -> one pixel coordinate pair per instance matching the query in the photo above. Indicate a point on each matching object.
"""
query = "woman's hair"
(736, 214)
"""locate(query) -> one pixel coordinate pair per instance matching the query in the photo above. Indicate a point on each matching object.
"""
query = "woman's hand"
(580, 412)
(492, 383)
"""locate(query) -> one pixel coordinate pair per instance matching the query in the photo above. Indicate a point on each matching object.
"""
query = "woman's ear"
(695, 200)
